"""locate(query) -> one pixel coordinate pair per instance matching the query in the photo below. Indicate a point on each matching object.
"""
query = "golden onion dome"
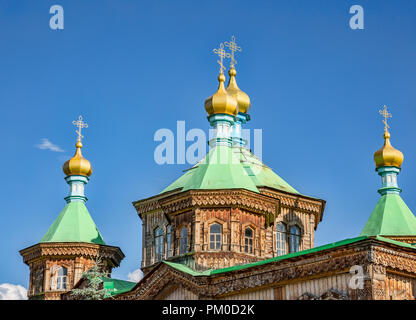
(243, 100)
(221, 101)
(388, 156)
(77, 165)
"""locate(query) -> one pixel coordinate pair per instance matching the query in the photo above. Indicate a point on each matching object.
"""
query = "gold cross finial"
(80, 124)
(232, 45)
(385, 114)
(222, 54)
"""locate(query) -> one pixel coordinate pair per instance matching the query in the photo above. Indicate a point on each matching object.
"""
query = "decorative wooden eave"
(298, 202)
(59, 249)
(173, 203)
(263, 203)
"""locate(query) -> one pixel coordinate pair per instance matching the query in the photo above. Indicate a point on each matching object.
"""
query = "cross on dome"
(80, 124)
(232, 45)
(385, 115)
(222, 54)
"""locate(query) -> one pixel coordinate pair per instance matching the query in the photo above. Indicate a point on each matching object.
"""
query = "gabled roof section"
(391, 217)
(74, 224)
(230, 168)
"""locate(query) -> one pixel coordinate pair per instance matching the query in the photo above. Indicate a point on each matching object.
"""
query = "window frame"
(183, 240)
(294, 238)
(281, 239)
(215, 238)
(249, 240)
(168, 240)
(159, 242)
(59, 278)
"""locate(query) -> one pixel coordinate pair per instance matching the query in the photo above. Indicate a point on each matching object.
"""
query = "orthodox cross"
(385, 114)
(222, 54)
(80, 124)
(232, 45)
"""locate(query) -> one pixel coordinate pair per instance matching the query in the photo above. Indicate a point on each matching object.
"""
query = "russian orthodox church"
(231, 228)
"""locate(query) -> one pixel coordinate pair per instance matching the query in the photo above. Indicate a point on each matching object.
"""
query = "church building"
(231, 228)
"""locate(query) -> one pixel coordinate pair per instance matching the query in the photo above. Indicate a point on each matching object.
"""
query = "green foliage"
(94, 289)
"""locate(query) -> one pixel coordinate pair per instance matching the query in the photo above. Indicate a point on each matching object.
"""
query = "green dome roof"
(230, 168)
(390, 217)
(74, 224)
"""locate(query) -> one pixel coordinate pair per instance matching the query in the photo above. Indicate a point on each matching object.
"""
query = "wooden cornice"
(59, 249)
(183, 201)
(298, 202)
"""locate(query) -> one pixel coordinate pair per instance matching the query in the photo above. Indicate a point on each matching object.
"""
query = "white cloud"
(135, 276)
(47, 145)
(10, 291)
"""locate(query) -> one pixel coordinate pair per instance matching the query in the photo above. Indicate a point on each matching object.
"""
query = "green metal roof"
(74, 224)
(117, 286)
(211, 272)
(230, 168)
(391, 217)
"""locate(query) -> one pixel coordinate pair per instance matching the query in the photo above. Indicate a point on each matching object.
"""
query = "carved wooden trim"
(90, 250)
(374, 256)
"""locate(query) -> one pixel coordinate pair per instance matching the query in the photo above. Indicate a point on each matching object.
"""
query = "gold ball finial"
(387, 156)
(221, 77)
(232, 72)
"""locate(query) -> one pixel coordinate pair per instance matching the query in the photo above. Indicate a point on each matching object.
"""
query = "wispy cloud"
(47, 145)
(10, 291)
(135, 276)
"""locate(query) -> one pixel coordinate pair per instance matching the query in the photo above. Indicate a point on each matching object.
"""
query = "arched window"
(281, 239)
(215, 237)
(183, 241)
(248, 240)
(168, 240)
(294, 239)
(158, 244)
(58, 278)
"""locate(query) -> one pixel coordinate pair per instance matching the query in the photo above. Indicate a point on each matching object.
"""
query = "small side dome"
(77, 165)
(221, 102)
(243, 100)
(388, 156)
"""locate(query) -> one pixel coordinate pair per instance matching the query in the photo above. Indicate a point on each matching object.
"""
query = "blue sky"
(131, 68)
